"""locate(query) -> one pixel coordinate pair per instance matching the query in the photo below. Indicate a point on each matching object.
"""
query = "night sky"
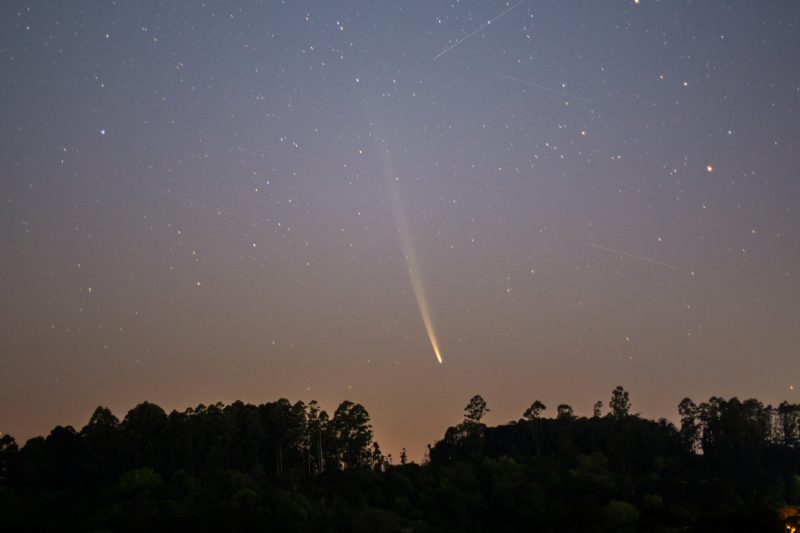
(212, 201)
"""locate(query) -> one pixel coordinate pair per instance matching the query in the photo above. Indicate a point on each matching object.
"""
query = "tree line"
(276, 438)
(730, 465)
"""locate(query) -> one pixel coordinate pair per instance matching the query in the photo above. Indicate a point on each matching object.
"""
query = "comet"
(412, 265)
(406, 243)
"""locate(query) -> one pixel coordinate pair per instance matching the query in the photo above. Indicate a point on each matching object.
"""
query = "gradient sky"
(211, 201)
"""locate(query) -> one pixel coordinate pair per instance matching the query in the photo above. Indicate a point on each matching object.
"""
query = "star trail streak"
(637, 257)
(478, 30)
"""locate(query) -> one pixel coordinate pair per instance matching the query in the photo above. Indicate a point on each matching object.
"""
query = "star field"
(197, 205)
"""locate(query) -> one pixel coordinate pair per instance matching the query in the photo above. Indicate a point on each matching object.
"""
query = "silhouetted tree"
(735, 439)
(620, 403)
(471, 431)
(245, 435)
(690, 429)
(475, 410)
(564, 412)
(533, 412)
(596, 410)
(532, 415)
(8, 458)
(316, 423)
(101, 440)
(140, 434)
(789, 424)
(378, 460)
(284, 430)
(353, 434)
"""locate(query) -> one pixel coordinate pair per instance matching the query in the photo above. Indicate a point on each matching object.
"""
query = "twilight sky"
(221, 200)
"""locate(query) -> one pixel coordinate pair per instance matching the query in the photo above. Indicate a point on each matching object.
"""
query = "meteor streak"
(443, 52)
(191, 202)
(369, 245)
(542, 87)
(640, 258)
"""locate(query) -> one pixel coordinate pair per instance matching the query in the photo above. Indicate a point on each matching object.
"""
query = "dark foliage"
(731, 466)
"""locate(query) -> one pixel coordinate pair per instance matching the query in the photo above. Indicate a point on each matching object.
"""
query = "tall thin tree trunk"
(319, 446)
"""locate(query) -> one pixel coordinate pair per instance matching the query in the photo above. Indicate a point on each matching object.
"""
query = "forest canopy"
(730, 465)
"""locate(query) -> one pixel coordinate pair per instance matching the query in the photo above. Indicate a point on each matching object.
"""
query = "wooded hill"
(731, 466)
